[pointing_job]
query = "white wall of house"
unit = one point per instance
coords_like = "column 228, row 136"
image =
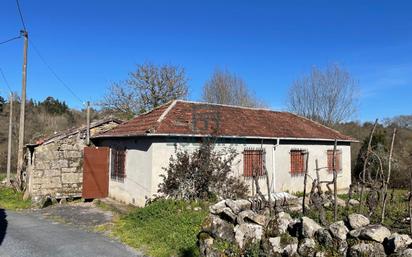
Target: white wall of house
column 147, row 158
column 136, row 186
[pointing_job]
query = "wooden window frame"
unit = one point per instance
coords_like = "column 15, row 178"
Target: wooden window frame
column 298, row 162
column 251, row 158
column 118, row 169
column 338, row 160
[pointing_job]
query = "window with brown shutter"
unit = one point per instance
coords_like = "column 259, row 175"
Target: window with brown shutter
column 297, row 162
column 118, row 165
column 338, row 161
column 253, row 162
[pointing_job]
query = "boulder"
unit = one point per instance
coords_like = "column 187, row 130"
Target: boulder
column 324, row 238
column 228, row 215
column 218, row 228
column 396, row 242
column 403, row 253
column 367, row 249
column 355, row 233
column 309, row 227
column 250, row 216
column 278, row 225
column 238, row 205
column 357, row 221
column 307, row 247
column 353, row 202
column 247, row 233
column 275, row 245
column 340, row 202
column 218, row 207
column 376, row 233
column 339, row 230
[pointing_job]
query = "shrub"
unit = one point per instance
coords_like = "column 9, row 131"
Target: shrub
column 202, row 174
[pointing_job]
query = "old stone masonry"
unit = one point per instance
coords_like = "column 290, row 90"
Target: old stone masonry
column 234, row 229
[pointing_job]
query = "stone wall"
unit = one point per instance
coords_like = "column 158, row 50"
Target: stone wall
column 234, row 229
column 55, row 168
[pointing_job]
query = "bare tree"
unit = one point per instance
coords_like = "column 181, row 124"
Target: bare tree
column 227, row 88
column 327, row 96
column 146, row 88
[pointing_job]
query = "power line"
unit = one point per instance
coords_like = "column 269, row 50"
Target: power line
column 53, row 72
column 11, row 39
column 21, row 15
column 5, row 80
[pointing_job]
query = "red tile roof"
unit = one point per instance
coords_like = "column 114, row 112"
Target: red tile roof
column 192, row 118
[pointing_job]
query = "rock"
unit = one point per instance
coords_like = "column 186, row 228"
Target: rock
column 367, row 249
column 396, row 242
column 205, row 243
column 238, row 205
column 355, row 233
column 403, row 253
column 247, row 233
column 251, row 216
column 309, row 227
column 376, row 233
column 324, row 238
column 276, row 248
column 339, row 230
column 197, row 208
column 353, row 202
column 227, row 214
column 296, row 208
column 307, row 247
column 320, row 254
column 63, row 201
column 340, row 202
column 218, row 207
column 357, row 221
column 218, row 228
column 278, row 225
column 291, row 249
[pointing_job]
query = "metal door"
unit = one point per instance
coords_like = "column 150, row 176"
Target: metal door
column 96, row 172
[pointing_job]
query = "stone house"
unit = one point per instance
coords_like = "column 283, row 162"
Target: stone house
column 287, row 144
column 55, row 164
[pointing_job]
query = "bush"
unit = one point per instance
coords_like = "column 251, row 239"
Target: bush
column 202, row 174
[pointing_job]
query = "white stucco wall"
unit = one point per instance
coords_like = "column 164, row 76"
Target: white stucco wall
column 146, row 158
column 136, row 187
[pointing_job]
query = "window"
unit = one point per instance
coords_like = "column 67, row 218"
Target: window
column 118, row 165
column 298, row 162
column 253, row 162
column 338, row 160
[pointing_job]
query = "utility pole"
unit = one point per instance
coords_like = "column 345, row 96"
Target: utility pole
column 88, row 124
column 20, row 155
column 9, row 140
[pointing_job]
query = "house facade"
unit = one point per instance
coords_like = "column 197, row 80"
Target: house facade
column 55, row 164
column 282, row 144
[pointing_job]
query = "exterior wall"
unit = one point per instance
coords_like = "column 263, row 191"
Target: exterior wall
column 136, row 187
column 146, row 158
column 56, row 168
column 284, row 181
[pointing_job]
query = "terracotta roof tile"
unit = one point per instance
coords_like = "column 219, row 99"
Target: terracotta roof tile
column 191, row 118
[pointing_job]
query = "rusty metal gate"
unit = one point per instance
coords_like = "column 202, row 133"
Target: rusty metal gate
column 96, row 172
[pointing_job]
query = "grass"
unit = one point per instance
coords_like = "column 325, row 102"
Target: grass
column 163, row 228
column 12, row 200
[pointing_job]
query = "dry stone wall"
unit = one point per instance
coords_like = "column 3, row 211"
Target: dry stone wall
column 56, row 168
column 234, row 229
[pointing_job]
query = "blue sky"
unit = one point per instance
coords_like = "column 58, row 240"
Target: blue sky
column 268, row 43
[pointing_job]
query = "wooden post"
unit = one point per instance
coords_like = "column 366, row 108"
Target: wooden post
column 20, row 155
column 88, row 124
column 304, row 182
column 335, row 182
column 9, row 139
column 388, row 178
